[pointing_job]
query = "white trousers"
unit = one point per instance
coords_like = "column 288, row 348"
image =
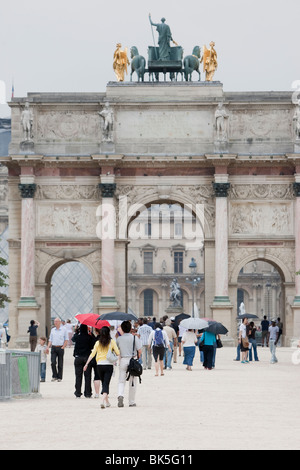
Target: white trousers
column 132, row 382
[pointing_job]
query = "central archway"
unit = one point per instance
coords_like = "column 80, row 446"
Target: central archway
column 160, row 248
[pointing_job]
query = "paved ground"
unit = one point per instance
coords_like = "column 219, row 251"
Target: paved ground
column 235, row 406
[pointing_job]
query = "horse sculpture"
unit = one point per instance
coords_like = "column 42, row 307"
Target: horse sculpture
column 175, row 294
column 191, row 63
column 138, row 64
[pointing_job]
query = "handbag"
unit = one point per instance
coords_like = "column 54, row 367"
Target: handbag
column 134, row 368
column 219, row 344
column 245, row 342
column 111, row 356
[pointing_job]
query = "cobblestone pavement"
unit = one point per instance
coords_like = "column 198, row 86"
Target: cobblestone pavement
column 234, row 406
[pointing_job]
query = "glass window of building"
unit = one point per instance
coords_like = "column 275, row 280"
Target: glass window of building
column 148, row 262
column 148, row 302
column 178, row 262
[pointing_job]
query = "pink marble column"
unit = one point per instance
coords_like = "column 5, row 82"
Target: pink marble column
column 221, row 243
column 27, row 244
column 108, row 235
column 297, row 241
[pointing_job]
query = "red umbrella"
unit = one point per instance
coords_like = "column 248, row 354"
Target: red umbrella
column 91, row 319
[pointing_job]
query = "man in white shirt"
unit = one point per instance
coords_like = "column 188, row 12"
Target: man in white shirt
column 273, row 335
column 57, row 342
column 143, row 333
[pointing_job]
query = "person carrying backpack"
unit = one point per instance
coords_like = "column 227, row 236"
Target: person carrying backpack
column 159, row 341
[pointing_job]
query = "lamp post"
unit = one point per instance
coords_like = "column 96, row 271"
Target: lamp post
column 194, row 281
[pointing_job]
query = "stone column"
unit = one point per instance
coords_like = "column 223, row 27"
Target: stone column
column 27, row 306
column 108, row 228
column 221, row 243
column 27, row 191
column 221, row 306
column 296, row 304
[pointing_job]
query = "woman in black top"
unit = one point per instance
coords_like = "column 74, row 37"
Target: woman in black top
column 32, row 330
column 252, row 341
column 83, row 345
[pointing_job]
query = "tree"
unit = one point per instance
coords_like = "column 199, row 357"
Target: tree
column 3, row 277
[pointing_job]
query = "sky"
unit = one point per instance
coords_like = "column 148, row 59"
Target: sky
column 68, row 45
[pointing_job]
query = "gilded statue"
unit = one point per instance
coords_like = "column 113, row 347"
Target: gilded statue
column 209, row 60
column 120, row 62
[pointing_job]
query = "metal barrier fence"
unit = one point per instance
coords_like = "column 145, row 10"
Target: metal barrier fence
column 19, row 373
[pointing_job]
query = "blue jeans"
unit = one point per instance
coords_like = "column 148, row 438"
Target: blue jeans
column 43, row 370
column 168, row 356
column 254, row 347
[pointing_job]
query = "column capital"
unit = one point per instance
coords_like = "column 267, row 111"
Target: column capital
column 296, row 187
column 221, row 189
column 107, row 189
column 27, row 190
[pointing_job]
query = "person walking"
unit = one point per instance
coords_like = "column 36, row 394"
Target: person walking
column 244, row 341
column 69, row 328
column 264, row 331
column 252, row 341
column 129, row 346
column 83, row 345
column 273, row 335
column 159, row 340
column 3, row 338
column 42, row 348
column 208, row 340
column 105, row 367
column 57, row 342
column 189, row 341
column 181, row 330
column 280, row 326
column 143, row 333
column 32, row 330
column 173, row 343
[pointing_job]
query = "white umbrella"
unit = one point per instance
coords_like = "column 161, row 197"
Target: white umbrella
column 194, row 323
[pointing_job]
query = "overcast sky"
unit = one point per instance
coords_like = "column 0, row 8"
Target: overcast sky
column 68, row 45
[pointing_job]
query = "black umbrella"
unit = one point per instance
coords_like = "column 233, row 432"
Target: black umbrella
column 122, row 316
column 216, row 328
column 246, row 315
column 181, row 316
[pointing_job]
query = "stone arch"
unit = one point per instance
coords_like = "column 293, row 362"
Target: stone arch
column 45, row 279
column 140, row 198
column 269, row 258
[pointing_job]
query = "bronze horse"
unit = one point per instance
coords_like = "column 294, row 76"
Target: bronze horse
column 138, row 64
column 191, row 63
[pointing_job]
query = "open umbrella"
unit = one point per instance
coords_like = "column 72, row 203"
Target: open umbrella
column 181, row 316
column 216, row 328
column 122, row 316
column 194, row 323
column 246, row 315
column 91, row 319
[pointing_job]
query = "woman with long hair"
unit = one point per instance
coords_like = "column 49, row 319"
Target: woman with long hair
column 105, row 367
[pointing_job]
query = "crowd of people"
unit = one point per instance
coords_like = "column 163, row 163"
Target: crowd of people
column 271, row 332
column 148, row 340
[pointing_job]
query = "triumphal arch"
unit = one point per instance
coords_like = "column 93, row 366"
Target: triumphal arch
column 82, row 165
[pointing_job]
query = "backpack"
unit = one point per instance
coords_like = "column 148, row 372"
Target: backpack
column 158, row 338
column 135, row 368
